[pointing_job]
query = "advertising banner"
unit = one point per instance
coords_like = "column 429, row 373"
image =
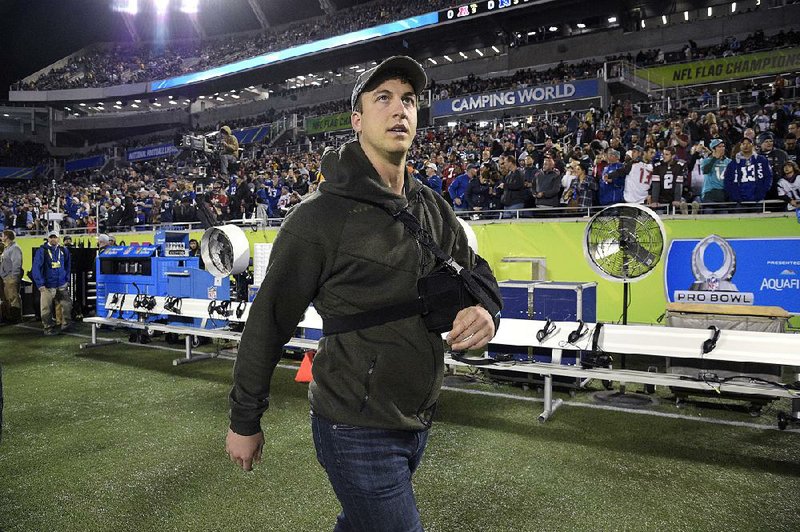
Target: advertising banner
column 327, row 123
column 151, row 152
column 489, row 101
column 724, row 68
column 11, row 173
column 734, row 271
column 85, row 164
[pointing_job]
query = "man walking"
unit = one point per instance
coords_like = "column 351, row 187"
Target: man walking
column 376, row 383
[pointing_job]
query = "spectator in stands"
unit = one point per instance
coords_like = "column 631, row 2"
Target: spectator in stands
column 205, row 211
column 512, row 186
column 50, row 271
column 10, row 277
column 776, row 157
column 748, row 176
column 610, row 189
column 791, row 147
column 583, row 187
column 459, row 187
column 548, row 183
column 713, row 166
column 789, row 186
column 481, row 190
column 666, row 185
column 432, row 178
column 388, row 421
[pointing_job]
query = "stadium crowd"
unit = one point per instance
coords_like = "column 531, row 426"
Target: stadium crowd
column 554, row 165
column 121, row 64
column 127, row 63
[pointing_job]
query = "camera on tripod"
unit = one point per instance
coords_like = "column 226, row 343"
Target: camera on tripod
column 198, row 143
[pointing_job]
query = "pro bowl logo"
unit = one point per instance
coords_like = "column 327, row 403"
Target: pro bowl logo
column 736, row 271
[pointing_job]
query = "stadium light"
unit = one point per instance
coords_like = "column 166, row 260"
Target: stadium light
column 161, row 6
column 643, row 24
column 710, row 10
column 156, row 104
column 190, row 7
column 686, row 16
column 478, row 52
column 580, row 25
column 733, row 7
column 82, row 104
column 553, row 28
column 138, row 101
column 202, row 97
column 173, row 102
column 67, row 109
column 664, row 19
column 432, row 60
column 117, row 107
column 6, row 115
column 462, row 54
column 448, row 58
column 134, row 106
column 131, row 7
column 495, row 49
column 531, row 33
column 612, row 20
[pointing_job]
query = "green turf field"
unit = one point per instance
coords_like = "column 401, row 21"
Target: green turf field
column 117, row 438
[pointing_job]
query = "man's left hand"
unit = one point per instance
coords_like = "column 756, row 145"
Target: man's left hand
column 472, row 329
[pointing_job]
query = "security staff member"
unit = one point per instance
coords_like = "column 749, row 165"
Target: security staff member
column 51, row 266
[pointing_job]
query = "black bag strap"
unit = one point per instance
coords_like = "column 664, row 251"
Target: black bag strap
column 425, row 239
column 371, row 318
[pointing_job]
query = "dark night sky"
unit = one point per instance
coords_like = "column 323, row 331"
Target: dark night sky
column 35, row 33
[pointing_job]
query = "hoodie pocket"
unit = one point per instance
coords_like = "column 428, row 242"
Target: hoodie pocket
column 367, row 383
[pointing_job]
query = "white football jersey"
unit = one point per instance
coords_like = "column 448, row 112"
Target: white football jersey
column 637, row 182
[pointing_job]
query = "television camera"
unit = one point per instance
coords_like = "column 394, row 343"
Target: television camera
column 197, row 154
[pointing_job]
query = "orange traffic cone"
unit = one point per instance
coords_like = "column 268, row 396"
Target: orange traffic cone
column 304, row 373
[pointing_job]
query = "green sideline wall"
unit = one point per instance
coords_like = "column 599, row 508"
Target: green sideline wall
column 560, row 243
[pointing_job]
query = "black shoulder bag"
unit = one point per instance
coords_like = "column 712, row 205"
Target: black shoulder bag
column 442, row 293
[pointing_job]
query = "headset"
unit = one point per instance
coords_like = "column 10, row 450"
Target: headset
column 173, row 304
column 711, row 343
column 240, row 308
column 219, row 307
column 546, row 331
column 578, row 333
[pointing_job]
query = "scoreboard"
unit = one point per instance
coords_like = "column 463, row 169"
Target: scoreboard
column 478, row 8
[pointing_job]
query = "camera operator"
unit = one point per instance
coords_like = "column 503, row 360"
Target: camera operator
column 229, row 147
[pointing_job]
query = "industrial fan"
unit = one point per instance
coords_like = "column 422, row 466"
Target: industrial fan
column 624, row 243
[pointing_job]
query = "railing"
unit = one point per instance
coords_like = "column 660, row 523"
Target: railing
column 774, row 207
column 699, row 209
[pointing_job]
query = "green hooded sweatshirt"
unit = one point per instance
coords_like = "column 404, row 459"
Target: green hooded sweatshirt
column 342, row 251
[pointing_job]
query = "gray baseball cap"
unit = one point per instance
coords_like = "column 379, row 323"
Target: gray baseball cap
column 400, row 64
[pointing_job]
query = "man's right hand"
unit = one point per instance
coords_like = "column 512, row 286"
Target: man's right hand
column 244, row 450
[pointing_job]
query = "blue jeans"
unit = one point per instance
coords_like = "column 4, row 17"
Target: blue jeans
column 370, row 471
column 509, row 210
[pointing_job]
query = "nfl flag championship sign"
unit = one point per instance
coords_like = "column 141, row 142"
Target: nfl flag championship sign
column 736, row 271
